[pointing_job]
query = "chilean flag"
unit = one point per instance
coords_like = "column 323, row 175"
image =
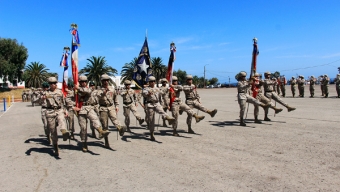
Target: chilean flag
column 74, row 60
column 172, row 59
column 64, row 63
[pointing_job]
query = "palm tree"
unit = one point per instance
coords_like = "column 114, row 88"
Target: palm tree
column 158, row 68
column 127, row 70
column 96, row 67
column 35, row 74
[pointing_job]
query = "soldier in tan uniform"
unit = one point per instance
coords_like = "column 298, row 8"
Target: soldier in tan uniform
column 193, row 99
column 178, row 105
column 275, row 86
column 243, row 97
column 292, row 86
column 260, row 96
column 130, row 104
column 43, row 104
column 70, row 104
column 312, row 82
column 95, row 105
column 108, row 107
column 325, row 83
column 283, row 83
column 87, row 112
column 268, row 85
column 152, row 97
column 165, row 101
column 337, row 84
column 55, row 112
column 301, row 85
column 321, row 85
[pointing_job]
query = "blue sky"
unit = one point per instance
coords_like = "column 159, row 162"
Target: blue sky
column 292, row 35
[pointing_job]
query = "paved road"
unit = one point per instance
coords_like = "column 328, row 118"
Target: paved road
column 296, row 151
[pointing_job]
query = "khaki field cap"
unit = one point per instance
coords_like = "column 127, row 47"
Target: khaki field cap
column 267, row 73
column 152, row 78
column 243, row 74
column 104, row 77
column 52, row 80
column 164, row 80
column 293, row 77
column 256, row 75
column 127, row 82
column 312, row 76
column 174, row 78
column 82, row 78
column 189, row 77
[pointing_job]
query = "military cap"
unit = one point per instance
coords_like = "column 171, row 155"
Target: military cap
column 70, row 84
column 267, row 73
column 92, row 83
column 242, row 74
column 52, row 80
column 174, row 78
column 127, row 82
column 189, row 77
column 338, row 74
column 293, row 77
column 302, row 76
column 164, row 80
column 45, row 85
column 82, row 78
column 312, row 76
column 325, row 75
column 104, row 77
column 152, row 78
column 256, row 74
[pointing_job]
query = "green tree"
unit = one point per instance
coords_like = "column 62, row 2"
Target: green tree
column 96, row 67
column 181, row 75
column 158, row 68
column 213, row 81
column 13, row 58
column 196, row 80
column 128, row 70
column 35, row 74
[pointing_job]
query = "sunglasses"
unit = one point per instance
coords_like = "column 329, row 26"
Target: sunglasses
column 52, row 83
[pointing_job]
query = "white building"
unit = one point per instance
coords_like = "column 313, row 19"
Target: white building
column 15, row 84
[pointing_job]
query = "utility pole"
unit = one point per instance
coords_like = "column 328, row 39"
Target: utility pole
column 204, row 75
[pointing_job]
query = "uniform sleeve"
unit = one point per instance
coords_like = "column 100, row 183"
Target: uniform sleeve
column 116, row 99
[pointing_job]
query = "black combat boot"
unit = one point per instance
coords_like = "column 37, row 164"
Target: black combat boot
column 190, row 130
column 107, row 144
column 56, row 150
column 242, row 122
column 175, row 133
column 257, row 120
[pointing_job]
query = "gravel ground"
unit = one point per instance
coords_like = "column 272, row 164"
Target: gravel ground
column 296, row 151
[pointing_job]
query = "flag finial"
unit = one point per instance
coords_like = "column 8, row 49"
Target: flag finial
column 66, row 48
column 255, row 40
column 73, row 25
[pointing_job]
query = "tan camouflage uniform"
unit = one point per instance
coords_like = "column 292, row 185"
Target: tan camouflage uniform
column 293, row 86
column 165, row 100
column 301, row 86
column 70, row 104
column 337, row 84
column 130, row 101
column 312, row 82
column 325, row 83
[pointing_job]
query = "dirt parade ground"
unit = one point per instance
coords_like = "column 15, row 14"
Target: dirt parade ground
column 296, row 151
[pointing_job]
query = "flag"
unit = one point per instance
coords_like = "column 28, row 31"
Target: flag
column 74, row 58
column 172, row 59
column 256, row 52
column 143, row 68
column 64, row 63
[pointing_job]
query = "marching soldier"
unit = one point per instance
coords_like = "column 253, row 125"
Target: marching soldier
column 34, row 96
column 152, row 97
column 321, row 85
column 268, row 89
column 87, row 112
column 243, row 97
column 55, row 113
column 70, row 104
column 278, row 82
column 108, row 107
column 178, row 105
column 283, row 83
column 337, row 84
column 130, row 104
column 263, row 99
column 301, row 85
column 95, row 105
column 165, row 102
column 193, row 99
column 325, row 83
column 292, row 85
column 312, row 82
column 275, row 87
column 43, row 104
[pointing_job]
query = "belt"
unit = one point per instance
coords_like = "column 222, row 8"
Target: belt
column 127, row 103
column 106, row 105
column 151, row 102
column 268, row 91
column 43, row 107
column 53, row 108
